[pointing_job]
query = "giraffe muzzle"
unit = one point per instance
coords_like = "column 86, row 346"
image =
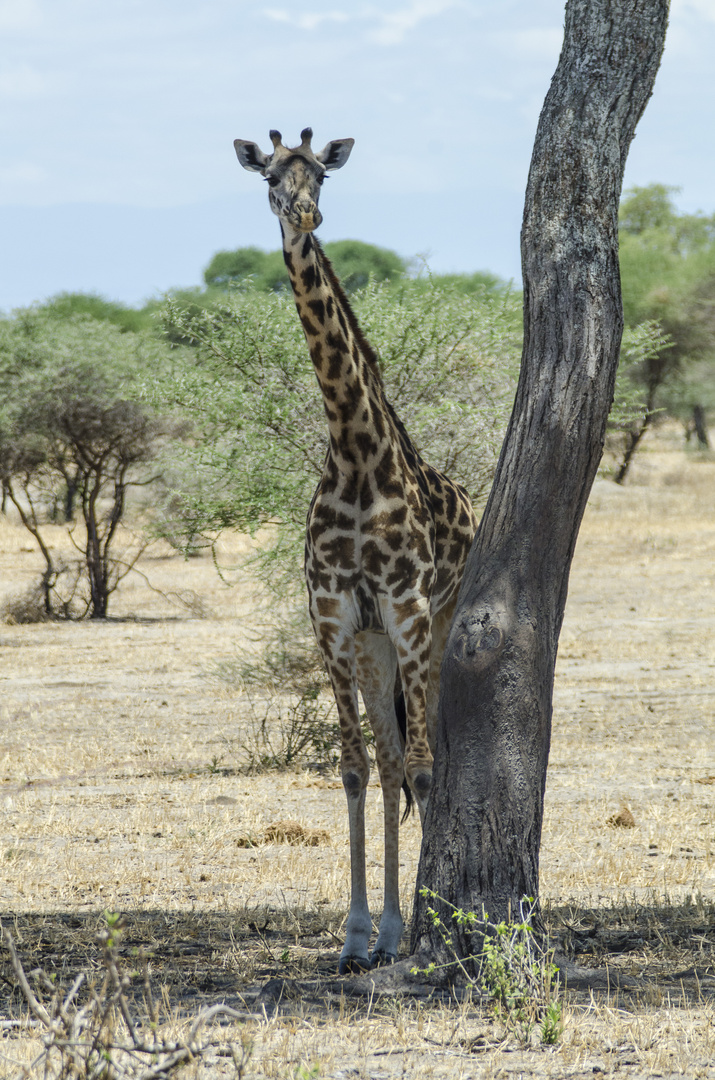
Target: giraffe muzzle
column 306, row 218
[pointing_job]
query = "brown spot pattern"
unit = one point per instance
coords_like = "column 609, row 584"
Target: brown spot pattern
column 387, row 534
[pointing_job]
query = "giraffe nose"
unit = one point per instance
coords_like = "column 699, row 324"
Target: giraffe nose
column 307, row 216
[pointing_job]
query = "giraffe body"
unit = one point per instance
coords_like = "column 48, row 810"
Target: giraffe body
column 386, row 542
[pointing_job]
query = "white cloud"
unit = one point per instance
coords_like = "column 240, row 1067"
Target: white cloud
column 22, row 83
column 19, row 15
column 381, row 27
column 307, row 21
column 393, row 26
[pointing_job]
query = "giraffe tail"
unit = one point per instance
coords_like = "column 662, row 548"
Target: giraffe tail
column 401, row 712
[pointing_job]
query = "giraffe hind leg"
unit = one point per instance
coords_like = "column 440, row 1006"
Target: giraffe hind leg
column 408, row 625
column 441, row 625
column 401, row 714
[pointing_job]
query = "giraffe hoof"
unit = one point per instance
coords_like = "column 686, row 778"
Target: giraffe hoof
column 380, row 958
column 353, row 965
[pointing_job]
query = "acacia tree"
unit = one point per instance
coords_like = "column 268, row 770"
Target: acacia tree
column 668, row 273
column 449, row 362
column 72, row 427
column 483, row 826
column 106, row 442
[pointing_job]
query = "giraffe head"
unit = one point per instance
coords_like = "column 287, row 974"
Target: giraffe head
column 294, row 175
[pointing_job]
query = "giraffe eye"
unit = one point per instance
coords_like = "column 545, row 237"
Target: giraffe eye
column 272, row 181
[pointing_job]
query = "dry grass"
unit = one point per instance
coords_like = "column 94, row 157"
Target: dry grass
column 122, row 789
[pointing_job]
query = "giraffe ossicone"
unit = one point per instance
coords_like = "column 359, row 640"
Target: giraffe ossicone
column 386, row 543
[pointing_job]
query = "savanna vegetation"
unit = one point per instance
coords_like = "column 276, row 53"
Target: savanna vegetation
column 192, row 418
column 75, row 440
column 134, row 780
column 668, row 275
column 208, row 399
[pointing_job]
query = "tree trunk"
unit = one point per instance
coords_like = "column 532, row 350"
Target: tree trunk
column 483, row 826
column 700, row 427
column 634, row 437
column 96, row 569
column 71, row 489
column 29, row 520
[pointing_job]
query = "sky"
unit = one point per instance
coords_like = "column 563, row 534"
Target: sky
column 117, row 120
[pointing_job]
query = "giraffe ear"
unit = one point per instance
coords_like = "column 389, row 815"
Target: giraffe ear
column 250, row 155
column 336, row 153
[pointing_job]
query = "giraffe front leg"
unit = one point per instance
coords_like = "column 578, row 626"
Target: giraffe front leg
column 338, row 647
column 391, row 923
column 377, row 666
column 354, row 956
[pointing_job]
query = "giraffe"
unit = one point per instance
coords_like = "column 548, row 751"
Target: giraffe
column 386, row 542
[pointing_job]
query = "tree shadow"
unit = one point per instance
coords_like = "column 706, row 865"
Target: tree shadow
column 278, row 960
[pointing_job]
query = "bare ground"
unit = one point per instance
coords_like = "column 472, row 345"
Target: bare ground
column 122, row 788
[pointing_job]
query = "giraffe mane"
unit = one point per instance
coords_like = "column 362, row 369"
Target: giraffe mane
column 363, row 344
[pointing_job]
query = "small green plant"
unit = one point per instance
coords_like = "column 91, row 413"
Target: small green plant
column 113, row 932
column 305, row 1073
column 512, row 967
column 552, row 1024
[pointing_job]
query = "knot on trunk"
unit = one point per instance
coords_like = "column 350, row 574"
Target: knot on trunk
column 479, row 644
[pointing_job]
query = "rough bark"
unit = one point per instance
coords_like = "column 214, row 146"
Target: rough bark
column 483, row 827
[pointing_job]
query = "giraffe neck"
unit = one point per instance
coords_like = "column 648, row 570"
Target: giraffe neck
column 359, row 418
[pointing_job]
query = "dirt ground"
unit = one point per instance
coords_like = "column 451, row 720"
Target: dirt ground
column 122, row 788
